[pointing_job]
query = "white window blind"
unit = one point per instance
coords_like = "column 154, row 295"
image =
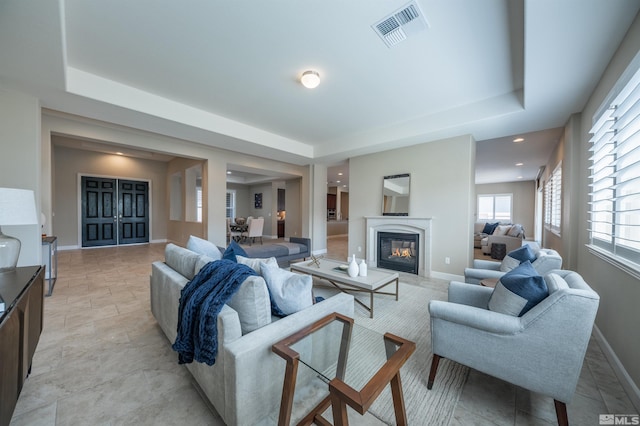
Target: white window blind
column 614, row 209
column 553, row 200
column 231, row 204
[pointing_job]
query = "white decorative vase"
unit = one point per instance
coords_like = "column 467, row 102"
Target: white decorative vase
column 353, row 269
column 362, row 268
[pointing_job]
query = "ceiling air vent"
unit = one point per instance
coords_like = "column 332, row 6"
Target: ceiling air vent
column 402, row 23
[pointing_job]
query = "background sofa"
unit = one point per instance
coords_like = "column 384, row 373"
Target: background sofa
column 511, row 235
column 245, row 383
column 283, row 251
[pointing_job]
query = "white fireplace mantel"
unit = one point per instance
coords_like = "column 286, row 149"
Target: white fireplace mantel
column 404, row 225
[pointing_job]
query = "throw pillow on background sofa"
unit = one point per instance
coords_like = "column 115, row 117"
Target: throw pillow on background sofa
column 514, row 258
column 501, row 230
column 516, row 231
column 489, row 228
column 518, row 291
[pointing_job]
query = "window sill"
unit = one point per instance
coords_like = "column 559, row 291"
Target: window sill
column 624, row 265
column 554, row 231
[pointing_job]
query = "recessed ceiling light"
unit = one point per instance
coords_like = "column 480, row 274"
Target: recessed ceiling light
column 519, row 164
column 517, row 140
column 228, row 172
column 337, row 181
column 310, row 79
column 344, row 186
column 340, row 174
column 119, row 153
column 519, row 177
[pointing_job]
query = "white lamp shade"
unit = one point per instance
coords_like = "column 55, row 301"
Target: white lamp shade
column 17, row 207
column 310, row 79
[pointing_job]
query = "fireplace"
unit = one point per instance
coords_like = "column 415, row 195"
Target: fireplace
column 398, row 251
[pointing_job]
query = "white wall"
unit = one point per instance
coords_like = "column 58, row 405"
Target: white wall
column 20, row 164
column 618, row 315
column 293, row 204
column 442, row 188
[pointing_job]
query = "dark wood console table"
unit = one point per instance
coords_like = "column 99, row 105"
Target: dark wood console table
column 22, row 291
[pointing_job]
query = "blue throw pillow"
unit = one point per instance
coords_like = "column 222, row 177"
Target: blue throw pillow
column 523, row 254
column 516, row 257
column 518, row 290
column 232, row 250
column 489, row 228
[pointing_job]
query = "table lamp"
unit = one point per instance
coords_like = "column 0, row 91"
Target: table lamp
column 17, row 207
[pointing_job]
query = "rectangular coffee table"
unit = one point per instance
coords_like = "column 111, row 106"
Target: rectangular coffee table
column 375, row 280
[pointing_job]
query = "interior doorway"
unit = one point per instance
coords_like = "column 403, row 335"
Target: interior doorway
column 114, row 211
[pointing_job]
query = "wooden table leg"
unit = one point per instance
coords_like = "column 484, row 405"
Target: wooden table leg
column 339, row 409
column 398, row 400
column 343, row 355
column 288, row 390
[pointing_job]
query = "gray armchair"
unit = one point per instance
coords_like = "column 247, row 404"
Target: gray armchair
column 541, row 351
column 546, row 260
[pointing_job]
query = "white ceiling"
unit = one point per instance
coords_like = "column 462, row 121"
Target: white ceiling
column 226, row 74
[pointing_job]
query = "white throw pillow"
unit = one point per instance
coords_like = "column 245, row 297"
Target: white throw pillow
column 290, row 292
column 252, row 304
column 200, row 246
column 501, row 230
column 254, row 263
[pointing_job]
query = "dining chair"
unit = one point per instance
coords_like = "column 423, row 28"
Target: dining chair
column 232, row 235
column 255, row 230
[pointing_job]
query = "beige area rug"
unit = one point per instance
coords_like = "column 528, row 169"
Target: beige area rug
column 409, row 318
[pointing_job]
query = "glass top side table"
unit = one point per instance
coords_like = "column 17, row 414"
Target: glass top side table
column 357, row 363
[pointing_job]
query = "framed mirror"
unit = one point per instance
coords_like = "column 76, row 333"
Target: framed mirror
column 395, row 195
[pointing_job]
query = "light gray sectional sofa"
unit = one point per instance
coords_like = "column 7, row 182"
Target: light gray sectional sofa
column 245, row 383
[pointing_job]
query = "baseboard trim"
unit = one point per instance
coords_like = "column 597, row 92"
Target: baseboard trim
column 446, row 276
column 77, row 247
column 625, row 380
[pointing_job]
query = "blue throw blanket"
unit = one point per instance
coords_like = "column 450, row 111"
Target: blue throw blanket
column 201, row 300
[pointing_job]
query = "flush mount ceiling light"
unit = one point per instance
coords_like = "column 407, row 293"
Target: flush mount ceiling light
column 310, row 79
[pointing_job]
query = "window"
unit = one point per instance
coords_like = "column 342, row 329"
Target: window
column 495, row 207
column 553, row 200
column 231, row 204
column 614, row 207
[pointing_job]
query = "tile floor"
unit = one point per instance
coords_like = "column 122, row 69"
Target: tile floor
column 103, row 360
